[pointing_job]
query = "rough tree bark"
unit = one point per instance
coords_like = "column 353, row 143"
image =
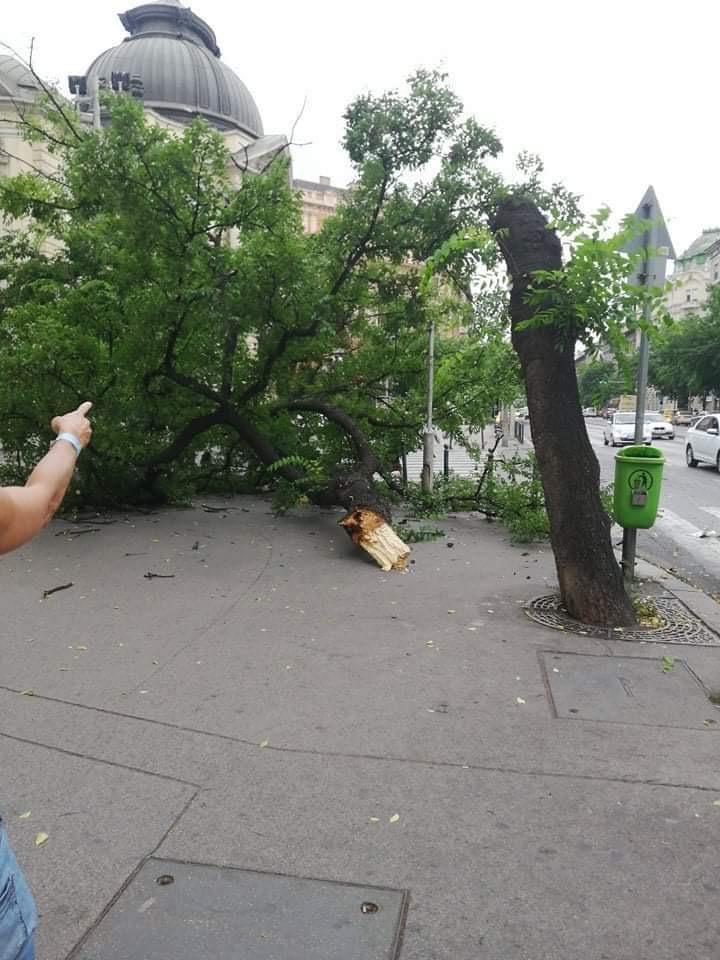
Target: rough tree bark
column 591, row 583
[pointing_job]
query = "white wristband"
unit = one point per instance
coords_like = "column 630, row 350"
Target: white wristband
column 71, row 438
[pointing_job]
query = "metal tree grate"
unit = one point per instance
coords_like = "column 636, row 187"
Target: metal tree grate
column 679, row 625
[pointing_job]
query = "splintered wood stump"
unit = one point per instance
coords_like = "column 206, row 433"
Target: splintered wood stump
column 375, row 535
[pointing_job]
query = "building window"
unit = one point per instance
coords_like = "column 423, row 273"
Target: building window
column 687, row 297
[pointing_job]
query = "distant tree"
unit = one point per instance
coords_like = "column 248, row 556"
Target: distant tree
column 685, row 361
column 598, row 382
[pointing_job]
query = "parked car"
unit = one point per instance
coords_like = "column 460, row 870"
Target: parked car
column 621, row 430
column 702, row 443
column 660, row 428
column 682, row 418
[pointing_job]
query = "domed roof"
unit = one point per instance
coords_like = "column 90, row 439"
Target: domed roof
column 16, row 82
column 176, row 56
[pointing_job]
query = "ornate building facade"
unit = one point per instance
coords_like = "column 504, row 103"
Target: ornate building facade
column 696, row 270
column 18, row 90
column 171, row 60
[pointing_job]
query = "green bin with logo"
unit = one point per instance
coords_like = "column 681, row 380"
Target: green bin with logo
column 638, row 478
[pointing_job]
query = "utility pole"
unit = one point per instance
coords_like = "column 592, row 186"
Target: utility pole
column 429, row 438
column 657, row 247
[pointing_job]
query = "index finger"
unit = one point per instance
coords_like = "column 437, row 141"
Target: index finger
column 84, row 408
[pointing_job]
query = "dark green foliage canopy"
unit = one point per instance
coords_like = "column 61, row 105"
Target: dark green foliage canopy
column 215, row 337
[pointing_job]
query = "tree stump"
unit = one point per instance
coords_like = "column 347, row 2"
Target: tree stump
column 375, row 535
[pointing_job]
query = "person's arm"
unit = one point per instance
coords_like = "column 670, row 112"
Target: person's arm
column 24, row 511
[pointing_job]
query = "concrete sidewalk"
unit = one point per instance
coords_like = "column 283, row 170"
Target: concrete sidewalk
column 274, row 702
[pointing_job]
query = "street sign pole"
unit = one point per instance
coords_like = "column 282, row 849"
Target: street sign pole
column 652, row 273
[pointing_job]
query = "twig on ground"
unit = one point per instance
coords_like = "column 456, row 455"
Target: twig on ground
column 76, row 533
column 52, row 590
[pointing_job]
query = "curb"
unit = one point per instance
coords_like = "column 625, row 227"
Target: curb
column 698, row 602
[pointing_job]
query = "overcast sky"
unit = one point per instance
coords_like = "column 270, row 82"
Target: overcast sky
column 613, row 95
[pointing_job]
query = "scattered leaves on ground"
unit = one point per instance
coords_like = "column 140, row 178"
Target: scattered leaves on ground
column 41, row 838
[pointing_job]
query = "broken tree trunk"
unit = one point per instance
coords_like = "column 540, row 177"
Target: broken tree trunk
column 368, row 521
column 591, row 583
column 371, row 532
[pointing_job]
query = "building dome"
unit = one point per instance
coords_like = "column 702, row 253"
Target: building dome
column 176, row 56
column 16, row 82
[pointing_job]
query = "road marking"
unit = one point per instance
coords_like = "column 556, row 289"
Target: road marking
column 687, row 535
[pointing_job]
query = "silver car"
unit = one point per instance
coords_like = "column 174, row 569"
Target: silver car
column 702, row 443
column 621, row 430
column 660, row 428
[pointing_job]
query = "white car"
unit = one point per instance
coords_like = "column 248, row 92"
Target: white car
column 660, row 428
column 621, row 430
column 702, row 443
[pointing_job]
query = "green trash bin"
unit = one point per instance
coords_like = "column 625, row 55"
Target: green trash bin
column 638, row 478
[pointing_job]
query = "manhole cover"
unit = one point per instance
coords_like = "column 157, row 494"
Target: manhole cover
column 679, row 626
column 627, row 690
column 187, row 911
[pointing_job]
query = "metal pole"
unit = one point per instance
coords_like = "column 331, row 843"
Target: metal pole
column 429, row 440
column 97, row 125
column 629, row 547
column 446, row 461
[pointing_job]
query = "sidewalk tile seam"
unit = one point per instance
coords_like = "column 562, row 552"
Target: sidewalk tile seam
column 546, row 681
column 374, row 758
column 131, row 876
column 92, row 759
column 208, row 628
column 175, row 822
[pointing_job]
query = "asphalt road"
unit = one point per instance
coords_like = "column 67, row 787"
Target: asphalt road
column 689, row 506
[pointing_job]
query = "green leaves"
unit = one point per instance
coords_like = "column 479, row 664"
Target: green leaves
column 684, row 361
column 591, row 298
column 185, row 299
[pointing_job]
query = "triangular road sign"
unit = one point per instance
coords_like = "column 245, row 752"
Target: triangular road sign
column 656, row 238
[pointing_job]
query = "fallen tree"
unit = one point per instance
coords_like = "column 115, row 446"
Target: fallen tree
column 223, row 346
column 276, row 358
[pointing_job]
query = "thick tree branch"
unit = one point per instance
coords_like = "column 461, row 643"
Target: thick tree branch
column 184, row 438
column 365, row 452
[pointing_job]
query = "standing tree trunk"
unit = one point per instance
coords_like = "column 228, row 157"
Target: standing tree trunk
column 591, row 583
